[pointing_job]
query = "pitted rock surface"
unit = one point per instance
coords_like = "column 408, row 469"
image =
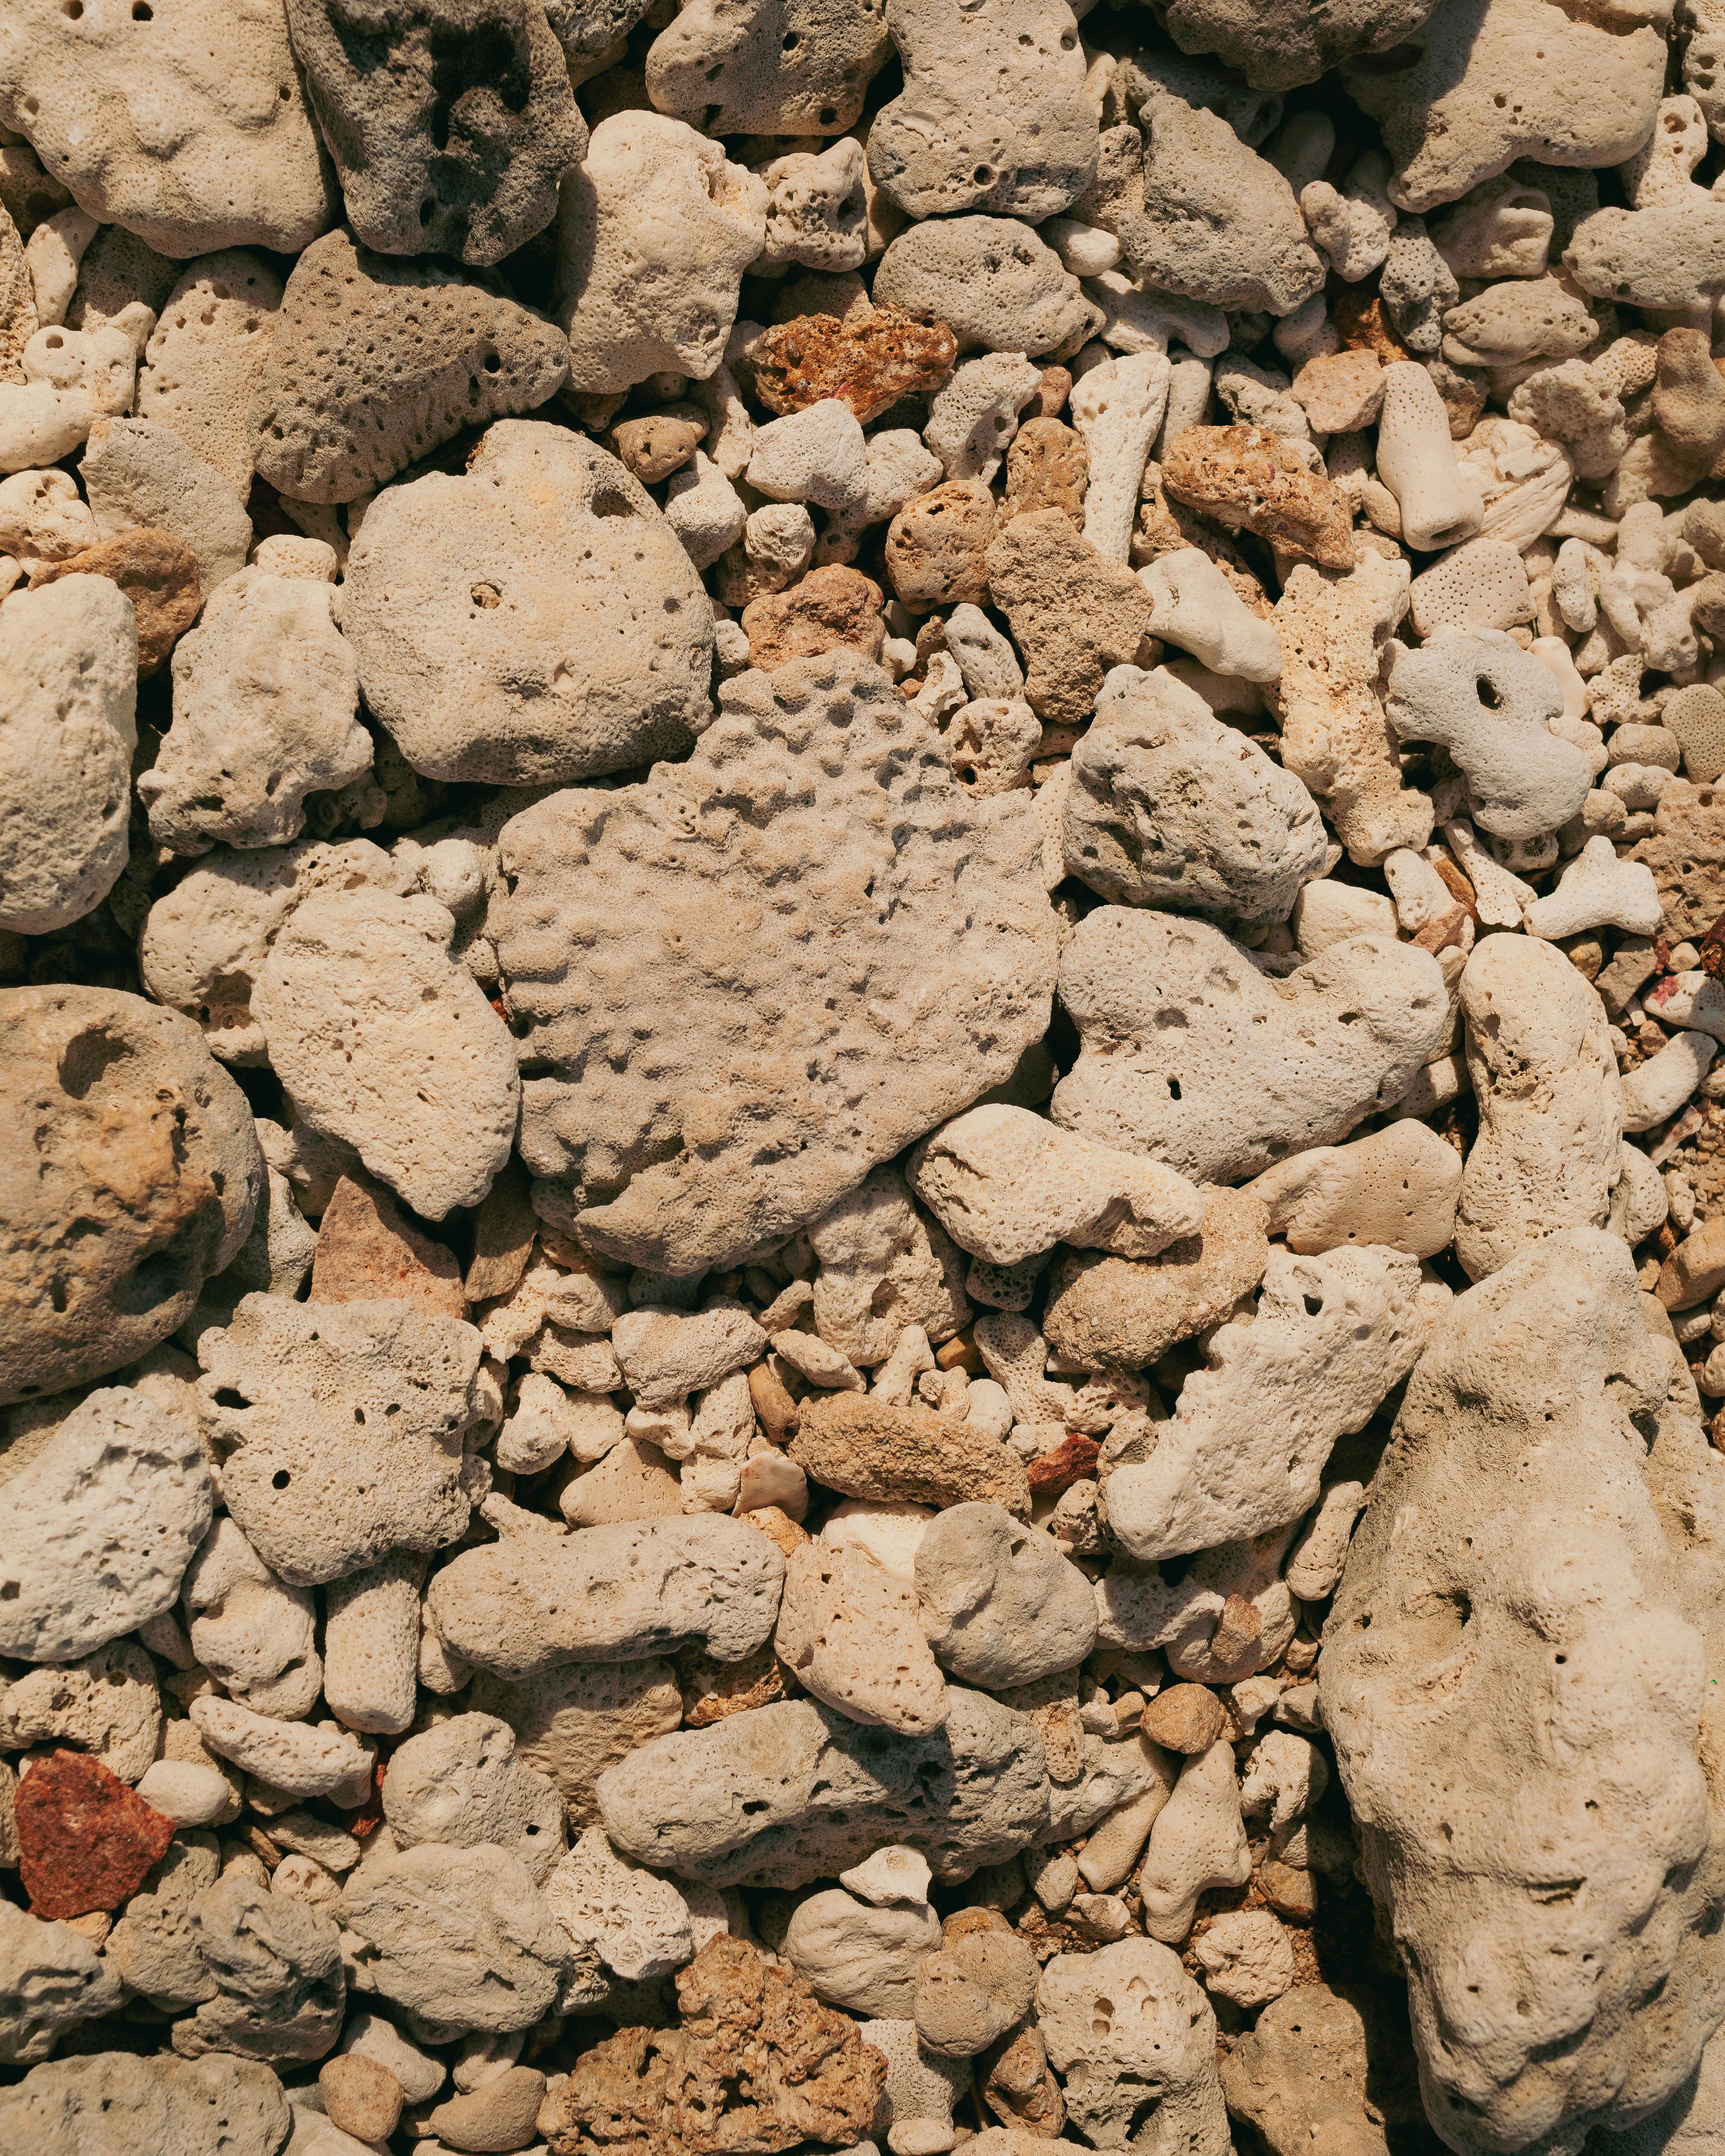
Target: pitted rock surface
column 531, row 621
column 749, row 1161
column 376, row 362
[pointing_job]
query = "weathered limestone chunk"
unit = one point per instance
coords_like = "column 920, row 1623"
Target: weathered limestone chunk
column 253, row 1633
column 386, row 1043
column 375, row 362
column 1251, row 1432
column 878, row 1449
column 776, row 67
column 1399, row 1186
column 704, row 964
column 533, row 620
column 849, row 1631
column 1328, row 2069
column 994, row 115
column 277, row 1963
column 576, row 1719
column 990, row 279
column 460, row 1935
column 346, row 1422
column 883, row 1265
column 654, row 230
column 1169, row 806
column 788, row 1793
column 1007, row 1184
column 265, row 711
column 449, row 125
column 1000, row 1605
column 754, row 2064
column 1278, row 44
column 50, row 1976
column 99, row 1526
column 1550, row 1148
column 105, row 1704
column 636, row 1924
column 1073, row 613
column 1249, row 1069
column 68, row 685
column 238, row 164
column 141, row 476
column 1517, row 1687
column 1126, row 2027
column 1487, row 81
column 128, row 1175
column 529, row 1602
column 116, row 2103
column 461, row 1783
column 1107, row 1312
column 202, row 363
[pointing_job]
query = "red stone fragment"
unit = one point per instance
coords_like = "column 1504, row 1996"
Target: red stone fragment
column 85, row 1841
column 1068, row 1463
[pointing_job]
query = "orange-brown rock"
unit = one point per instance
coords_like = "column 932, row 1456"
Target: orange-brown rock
column 1244, row 476
column 1074, row 613
column 1186, row 1717
column 661, row 443
column 1071, row 1461
column 1363, row 325
column 712, row 1690
column 503, row 1232
column 937, row 547
column 368, row 1250
column 84, row 1840
column 863, row 1447
column 157, row 573
column 868, row 365
column 757, row 2064
column 829, row 607
column 1047, row 467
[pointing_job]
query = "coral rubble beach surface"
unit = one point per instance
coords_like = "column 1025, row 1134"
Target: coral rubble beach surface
column 862, row 1176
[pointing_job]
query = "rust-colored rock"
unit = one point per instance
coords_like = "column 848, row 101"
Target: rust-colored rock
column 868, row 365
column 1362, row 323
column 157, row 573
column 1686, row 851
column 1053, row 1472
column 712, row 1690
column 937, row 547
column 757, row 2065
column 829, row 607
column 864, row 1447
column 1047, row 467
column 1186, row 1717
column 1244, row 476
column 84, row 1840
column 1073, row 613
column 368, row 1251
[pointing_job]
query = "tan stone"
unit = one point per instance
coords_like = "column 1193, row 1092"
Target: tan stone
column 367, row 1249
column 663, row 442
column 757, row 2065
column 1243, row 476
column 1047, row 467
column 937, row 547
column 868, row 1448
column 1186, row 1717
column 155, row 572
column 360, row 2097
column 829, row 607
column 1073, row 614
column 1123, row 1313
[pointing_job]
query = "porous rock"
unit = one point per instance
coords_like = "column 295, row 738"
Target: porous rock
column 1124, row 2027
column 995, row 284
column 637, row 1924
column 880, row 1449
column 994, row 115
column 50, row 1977
column 654, row 230
column 617, row 1593
column 755, row 2064
column 386, row 1043
column 344, row 1423
column 848, row 1630
column 868, row 365
column 130, row 1177
column 139, row 476
column 1575, row 1587
column 1324, row 2066
column 68, row 730
column 449, row 126
column 266, row 710
column 780, row 67
column 716, row 911
column 1000, row 1603
column 861, row 1958
column 85, row 1841
column 280, row 1982
column 1257, row 1069
column 1252, row 1431
column 240, row 166
column 1399, row 1186
column 1107, row 1312
column 376, row 362
column 788, row 1793
column 533, row 619
column 883, row 1265
column 202, row 363
column 1170, row 808
column 459, row 1936
column 156, row 572
column 461, row 1783
column 1278, row 44
column 114, row 2103
column 1487, row 81
column 1007, row 1184
column 1073, row 613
